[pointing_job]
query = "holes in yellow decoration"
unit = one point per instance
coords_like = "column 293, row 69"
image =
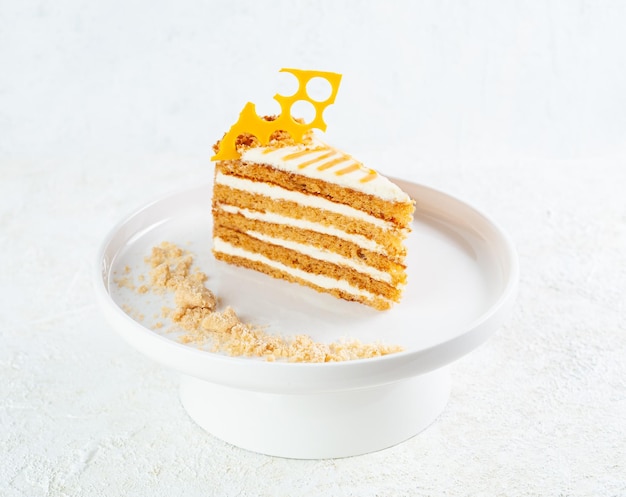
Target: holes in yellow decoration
column 319, row 89
column 250, row 123
column 303, row 110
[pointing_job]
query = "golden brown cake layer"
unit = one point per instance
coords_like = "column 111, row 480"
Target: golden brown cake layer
column 391, row 241
column 306, row 263
column 320, row 240
column 376, row 302
column 398, row 213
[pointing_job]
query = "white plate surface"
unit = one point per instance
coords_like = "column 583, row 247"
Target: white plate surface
column 462, row 272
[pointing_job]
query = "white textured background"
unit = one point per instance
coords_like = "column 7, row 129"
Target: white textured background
column 516, row 107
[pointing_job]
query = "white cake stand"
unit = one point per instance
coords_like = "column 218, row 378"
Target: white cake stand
column 463, row 274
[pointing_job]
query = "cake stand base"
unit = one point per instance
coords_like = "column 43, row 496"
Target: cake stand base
column 318, row 425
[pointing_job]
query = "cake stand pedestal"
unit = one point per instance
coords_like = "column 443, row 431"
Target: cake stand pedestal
column 318, row 425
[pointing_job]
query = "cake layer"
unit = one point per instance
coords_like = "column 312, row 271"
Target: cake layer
column 324, row 255
column 313, row 234
column 389, row 239
column 231, row 254
column 303, row 262
column 308, row 200
column 302, row 224
column 397, row 211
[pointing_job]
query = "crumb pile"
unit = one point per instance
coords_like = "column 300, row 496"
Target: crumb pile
column 195, row 312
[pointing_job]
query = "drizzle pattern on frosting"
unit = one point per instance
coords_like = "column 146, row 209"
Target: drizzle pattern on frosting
column 327, row 159
column 327, row 163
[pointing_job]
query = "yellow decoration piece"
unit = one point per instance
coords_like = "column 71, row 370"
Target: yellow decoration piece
column 250, row 123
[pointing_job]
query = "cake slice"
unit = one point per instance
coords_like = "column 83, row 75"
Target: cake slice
column 306, row 212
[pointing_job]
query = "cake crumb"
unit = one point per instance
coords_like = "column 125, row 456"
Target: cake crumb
column 195, row 314
column 125, row 282
column 132, row 312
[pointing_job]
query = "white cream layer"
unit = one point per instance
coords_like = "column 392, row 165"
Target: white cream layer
column 271, row 217
column 316, row 279
column 378, row 185
column 323, row 255
column 279, row 193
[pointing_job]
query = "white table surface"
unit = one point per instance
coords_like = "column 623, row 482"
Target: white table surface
column 517, row 109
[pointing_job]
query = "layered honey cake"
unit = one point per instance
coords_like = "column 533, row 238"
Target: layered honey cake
column 290, row 206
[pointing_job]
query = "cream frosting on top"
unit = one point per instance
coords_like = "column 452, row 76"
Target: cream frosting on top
column 320, row 161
